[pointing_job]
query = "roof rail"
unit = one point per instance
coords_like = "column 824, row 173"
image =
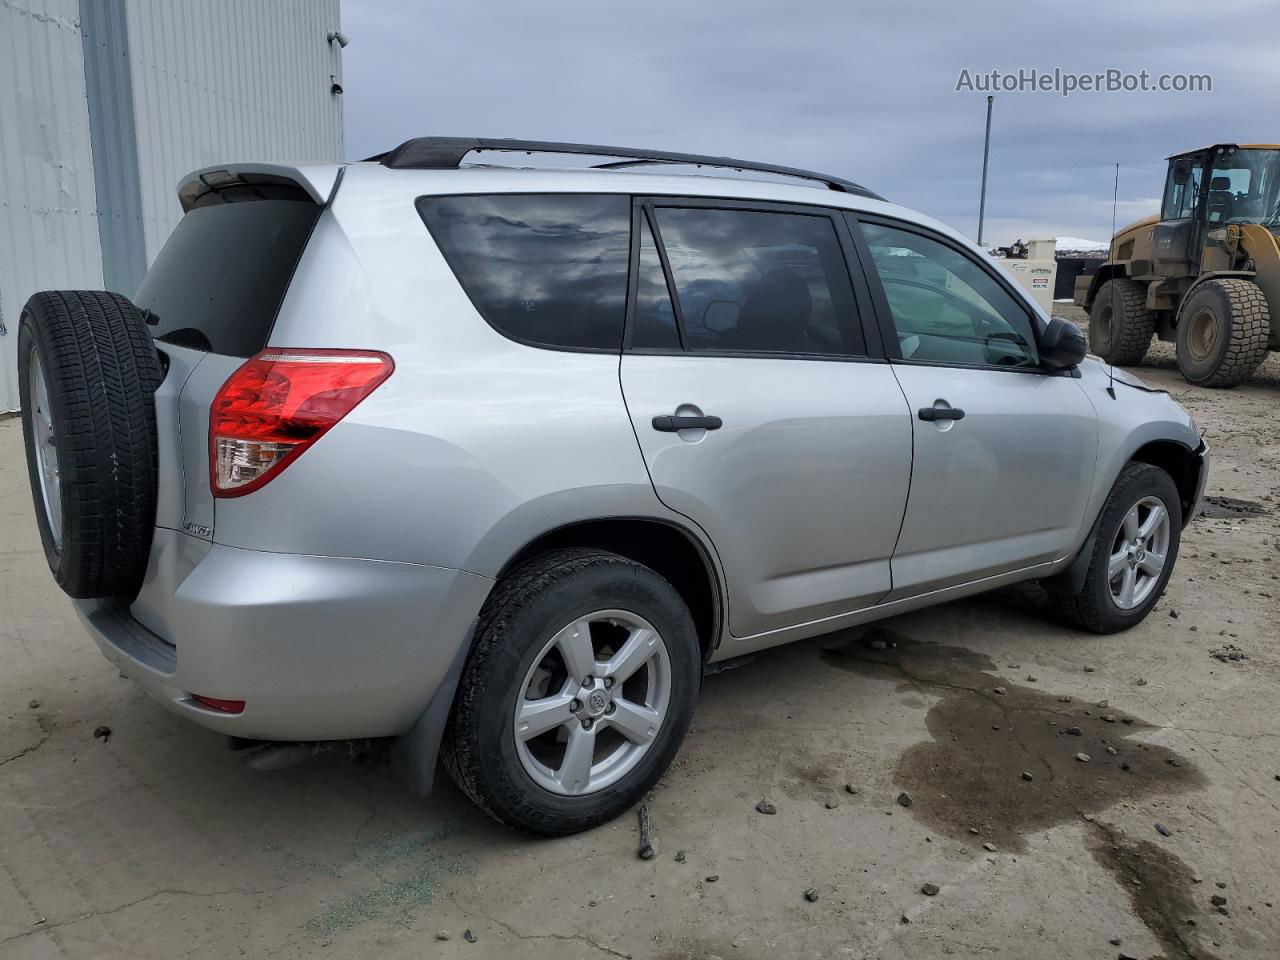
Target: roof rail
column 447, row 153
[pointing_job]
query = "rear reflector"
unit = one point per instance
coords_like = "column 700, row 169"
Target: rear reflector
column 222, row 706
column 277, row 404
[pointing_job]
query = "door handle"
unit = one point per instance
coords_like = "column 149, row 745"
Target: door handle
column 670, row 424
column 940, row 413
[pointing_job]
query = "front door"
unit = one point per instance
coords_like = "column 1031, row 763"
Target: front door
column 1177, row 240
column 1003, row 451
column 759, row 414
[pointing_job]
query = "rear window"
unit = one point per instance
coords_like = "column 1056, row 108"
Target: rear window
column 223, row 273
column 546, row 269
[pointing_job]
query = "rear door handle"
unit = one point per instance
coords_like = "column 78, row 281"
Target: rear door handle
column 940, row 413
column 670, row 424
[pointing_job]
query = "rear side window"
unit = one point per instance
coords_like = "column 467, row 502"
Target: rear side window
column 754, row 282
column 546, row 269
column 220, row 278
column 654, row 322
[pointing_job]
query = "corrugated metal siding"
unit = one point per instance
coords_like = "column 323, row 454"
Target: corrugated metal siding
column 48, row 224
column 222, row 80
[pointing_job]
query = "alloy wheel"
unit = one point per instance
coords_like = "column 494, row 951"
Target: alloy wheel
column 1138, row 553
column 592, row 703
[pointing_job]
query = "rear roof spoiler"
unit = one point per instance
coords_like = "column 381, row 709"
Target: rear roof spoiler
column 229, row 183
column 447, row 153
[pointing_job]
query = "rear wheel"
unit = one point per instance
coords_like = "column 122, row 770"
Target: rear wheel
column 1223, row 330
column 1120, row 325
column 1134, row 553
column 577, row 693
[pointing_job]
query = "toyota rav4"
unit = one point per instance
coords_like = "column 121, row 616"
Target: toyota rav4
column 493, row 461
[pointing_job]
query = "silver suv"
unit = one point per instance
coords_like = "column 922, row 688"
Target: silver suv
column 492, row 461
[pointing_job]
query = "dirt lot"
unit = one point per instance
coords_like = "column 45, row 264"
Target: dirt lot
column 157, row 842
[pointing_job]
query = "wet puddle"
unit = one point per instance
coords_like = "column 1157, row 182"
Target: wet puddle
column 1229, row 508
column 1159, row 886
column 1002, row 761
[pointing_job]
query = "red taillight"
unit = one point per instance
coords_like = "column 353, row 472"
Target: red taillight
column 222, row 706
column 279, row 403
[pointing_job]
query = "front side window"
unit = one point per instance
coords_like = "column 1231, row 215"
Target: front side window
column 546, row 269
column 755, row 282
column 945, row 308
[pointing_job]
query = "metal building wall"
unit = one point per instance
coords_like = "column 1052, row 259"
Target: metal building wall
column 220, row 80
column 88, row 170
column 48, row 219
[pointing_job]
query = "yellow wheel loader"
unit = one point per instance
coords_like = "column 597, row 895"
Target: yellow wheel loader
column 1204, row 273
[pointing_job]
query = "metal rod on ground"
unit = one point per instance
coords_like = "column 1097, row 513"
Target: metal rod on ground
column 986, row 152
column 646, row 845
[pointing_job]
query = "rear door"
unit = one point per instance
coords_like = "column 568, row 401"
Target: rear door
column 760, row 411
column 212, row 296
column 1004, row 451
column 211, row 299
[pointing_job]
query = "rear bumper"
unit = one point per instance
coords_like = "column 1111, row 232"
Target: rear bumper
column 319, row 648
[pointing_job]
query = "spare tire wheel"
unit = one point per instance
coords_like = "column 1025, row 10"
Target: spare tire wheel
column 87, row 374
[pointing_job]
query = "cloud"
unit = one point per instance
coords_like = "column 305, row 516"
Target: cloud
column 865, row 91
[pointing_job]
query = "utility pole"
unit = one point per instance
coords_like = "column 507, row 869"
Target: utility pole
column 986, row 151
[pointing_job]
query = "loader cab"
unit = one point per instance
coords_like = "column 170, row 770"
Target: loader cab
column 1210, row 188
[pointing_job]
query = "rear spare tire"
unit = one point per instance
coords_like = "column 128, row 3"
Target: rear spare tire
column 1120, row 325
column 1223, row 329
column 87, row 375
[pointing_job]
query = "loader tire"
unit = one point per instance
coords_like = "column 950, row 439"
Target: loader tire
column 87, row 374
column 1222, row 334
column 1120, row 325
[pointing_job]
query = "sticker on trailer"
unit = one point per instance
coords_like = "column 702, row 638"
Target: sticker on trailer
column 1038, row 282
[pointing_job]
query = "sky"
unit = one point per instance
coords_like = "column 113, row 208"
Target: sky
column 865, row 91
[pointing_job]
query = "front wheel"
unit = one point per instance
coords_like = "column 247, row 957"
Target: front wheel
column 1133, row 555
column 1223, row 332
column 577, row 693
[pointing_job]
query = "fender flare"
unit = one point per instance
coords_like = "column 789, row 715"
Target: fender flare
column 1108, row 271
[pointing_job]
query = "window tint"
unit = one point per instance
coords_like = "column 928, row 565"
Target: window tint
column 654, row 322
column 945, row 307
column 546, row 269
column 760, row 282
column 219, row 280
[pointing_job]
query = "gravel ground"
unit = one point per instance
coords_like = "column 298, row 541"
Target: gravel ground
column 925, row 775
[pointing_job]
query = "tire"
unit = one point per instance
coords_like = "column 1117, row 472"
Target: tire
column 1120, row 325
column 1222, row 334
column 538, row 601
column 92, row 431
column 1096, row 607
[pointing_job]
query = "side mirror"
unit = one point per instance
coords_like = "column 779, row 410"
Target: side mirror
column 1061, row 345
column 1181, row 170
